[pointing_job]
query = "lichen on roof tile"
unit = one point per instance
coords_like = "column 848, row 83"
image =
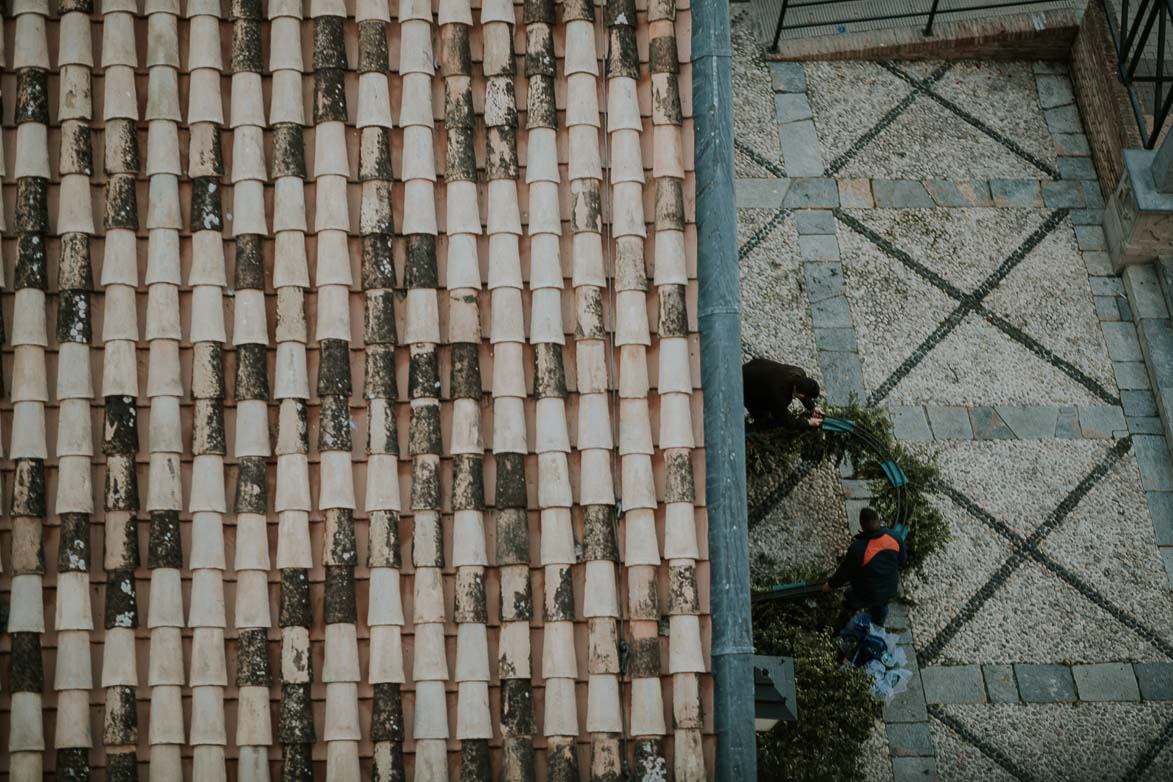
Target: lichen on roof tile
column 427, row 337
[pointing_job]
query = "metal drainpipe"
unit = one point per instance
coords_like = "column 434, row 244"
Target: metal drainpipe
column 724, row 421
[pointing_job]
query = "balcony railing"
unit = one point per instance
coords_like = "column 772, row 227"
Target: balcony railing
column 1141, row 32
column 855, row 13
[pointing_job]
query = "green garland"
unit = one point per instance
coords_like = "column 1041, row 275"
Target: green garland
column 836, row 712
column 778, row 452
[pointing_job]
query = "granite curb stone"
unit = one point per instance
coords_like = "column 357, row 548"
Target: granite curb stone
column 1152, row 457
column 1161, row 509
column 1063, row 194
column 1097, row 262
column 1122, row 342
column 1077, row 168
column 908, row 706
column 1142, row 425
column 1132, row 376
column 856, row 193
column 952, row 194
column 1090, row 237
column 835, row 339
column 818, row 247
column 1086, row 216
column 1067, row 425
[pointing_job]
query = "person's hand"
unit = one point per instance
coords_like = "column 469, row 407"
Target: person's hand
column 814, row 421
column 827, row 587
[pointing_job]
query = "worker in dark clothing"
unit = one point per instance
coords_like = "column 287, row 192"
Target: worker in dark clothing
column 871, row 568
column 770, row 387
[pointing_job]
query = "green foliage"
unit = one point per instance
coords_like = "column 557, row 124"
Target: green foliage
column 836, row 712
column 778, row 453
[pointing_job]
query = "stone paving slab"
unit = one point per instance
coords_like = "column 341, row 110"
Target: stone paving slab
column 1106, row 682
column 1155, row 681
column 910, row 423
column 1045, row 683
column 908, row 706
column 760, row 193
column 1053, row 742
column 910, row 769
column 950, row 423
column 953, row 684
column 1000, row 684
column 1029, row 422
column 910, row 739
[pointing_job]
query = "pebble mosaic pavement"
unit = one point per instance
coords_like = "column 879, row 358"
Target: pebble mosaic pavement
column 925, row 236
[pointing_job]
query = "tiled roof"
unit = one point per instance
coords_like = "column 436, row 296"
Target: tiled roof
column 353, row 417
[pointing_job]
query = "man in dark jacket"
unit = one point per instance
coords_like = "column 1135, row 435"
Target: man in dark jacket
column 871, row 567
column 770, row 387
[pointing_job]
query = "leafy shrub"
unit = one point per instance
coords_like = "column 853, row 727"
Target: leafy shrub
column 836, row 712
column 778, row 452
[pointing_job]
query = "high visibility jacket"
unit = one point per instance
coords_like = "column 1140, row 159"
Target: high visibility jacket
column 872, row 567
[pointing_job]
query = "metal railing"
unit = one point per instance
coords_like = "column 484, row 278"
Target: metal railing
column 930, row 14
column 1142, row 52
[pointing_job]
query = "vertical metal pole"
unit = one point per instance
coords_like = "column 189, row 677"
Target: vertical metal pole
column 778, row 27
column 724, row 413
column 932, row 16
column 1159, row 85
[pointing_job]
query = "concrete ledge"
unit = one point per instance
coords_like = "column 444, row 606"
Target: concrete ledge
column 1044, row 35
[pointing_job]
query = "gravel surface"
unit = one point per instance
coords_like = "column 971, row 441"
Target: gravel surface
column 959, row 760
column 1064, row 743
column 928, row 140
column 847, row 99
column 1048, row 297
column 775, row 314
column 877, row 764
column 895, row 309
column 754, row 123
column 807, row 529
column 985, row 89
column 1034, row 616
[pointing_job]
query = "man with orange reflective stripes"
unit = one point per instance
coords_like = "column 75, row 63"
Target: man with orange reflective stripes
column 871, row 567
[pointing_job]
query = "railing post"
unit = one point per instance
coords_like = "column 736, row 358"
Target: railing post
column 778, row 27
column 932, row 16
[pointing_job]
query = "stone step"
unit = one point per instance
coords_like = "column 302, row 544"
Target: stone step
column 1151, row 308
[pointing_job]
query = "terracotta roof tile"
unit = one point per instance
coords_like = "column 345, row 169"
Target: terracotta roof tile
column 420, row 215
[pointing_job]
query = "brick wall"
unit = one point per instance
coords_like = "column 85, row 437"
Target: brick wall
column 1103, row 102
